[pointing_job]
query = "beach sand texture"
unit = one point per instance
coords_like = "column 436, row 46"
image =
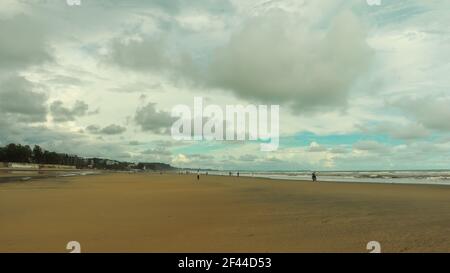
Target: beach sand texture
column 176, row 213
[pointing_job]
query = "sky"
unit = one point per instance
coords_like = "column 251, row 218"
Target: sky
column 360, row 87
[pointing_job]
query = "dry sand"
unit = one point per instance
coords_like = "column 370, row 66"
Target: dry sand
column 176, row 213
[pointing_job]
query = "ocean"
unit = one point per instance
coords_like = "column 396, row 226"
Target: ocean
column 431, row 177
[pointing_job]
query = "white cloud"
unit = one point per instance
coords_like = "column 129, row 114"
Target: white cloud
column 276, row 58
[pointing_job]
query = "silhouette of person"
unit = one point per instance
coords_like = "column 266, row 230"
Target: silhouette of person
column 314, row 177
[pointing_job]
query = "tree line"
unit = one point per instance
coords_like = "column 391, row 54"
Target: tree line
column 25, row 154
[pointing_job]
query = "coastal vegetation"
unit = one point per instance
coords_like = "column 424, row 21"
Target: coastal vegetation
column 18, row 153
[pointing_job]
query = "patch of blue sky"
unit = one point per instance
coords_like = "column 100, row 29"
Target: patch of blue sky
column 200, row 147
column 302, row 139
column 204, row 146
column 306, row 138
column 393, row 11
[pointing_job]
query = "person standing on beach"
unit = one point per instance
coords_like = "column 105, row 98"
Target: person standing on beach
column 238, row 174
column 314, row 177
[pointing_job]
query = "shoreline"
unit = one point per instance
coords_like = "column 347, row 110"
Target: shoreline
column 14, row 176
column 351, row 182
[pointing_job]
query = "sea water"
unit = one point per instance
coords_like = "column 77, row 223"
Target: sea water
column 427, row 177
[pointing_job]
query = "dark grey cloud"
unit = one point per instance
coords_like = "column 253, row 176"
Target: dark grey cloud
column 112, row 129
column 144, row 54
column 152, row 54
column 161, row 151
column 432, row 112
column 93, row 129
column 18, row 101
column 61, row 113
column 23, row 43
column 409, row 131
column 13, row 132
column 150, row 119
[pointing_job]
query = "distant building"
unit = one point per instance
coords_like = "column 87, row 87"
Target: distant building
column 110, row 163
column 23, row 166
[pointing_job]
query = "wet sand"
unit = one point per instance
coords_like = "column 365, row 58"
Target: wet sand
column 16, row 175
column 177, row 213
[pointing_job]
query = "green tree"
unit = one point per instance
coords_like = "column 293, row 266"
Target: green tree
column 38, row 154
column 2, row 154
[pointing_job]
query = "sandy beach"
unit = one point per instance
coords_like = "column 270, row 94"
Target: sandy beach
column 176, row 213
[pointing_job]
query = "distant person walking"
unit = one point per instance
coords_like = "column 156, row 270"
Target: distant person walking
column 314, row 177
column 237, row 174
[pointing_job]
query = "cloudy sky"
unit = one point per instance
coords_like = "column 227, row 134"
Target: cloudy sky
column 359, row 86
